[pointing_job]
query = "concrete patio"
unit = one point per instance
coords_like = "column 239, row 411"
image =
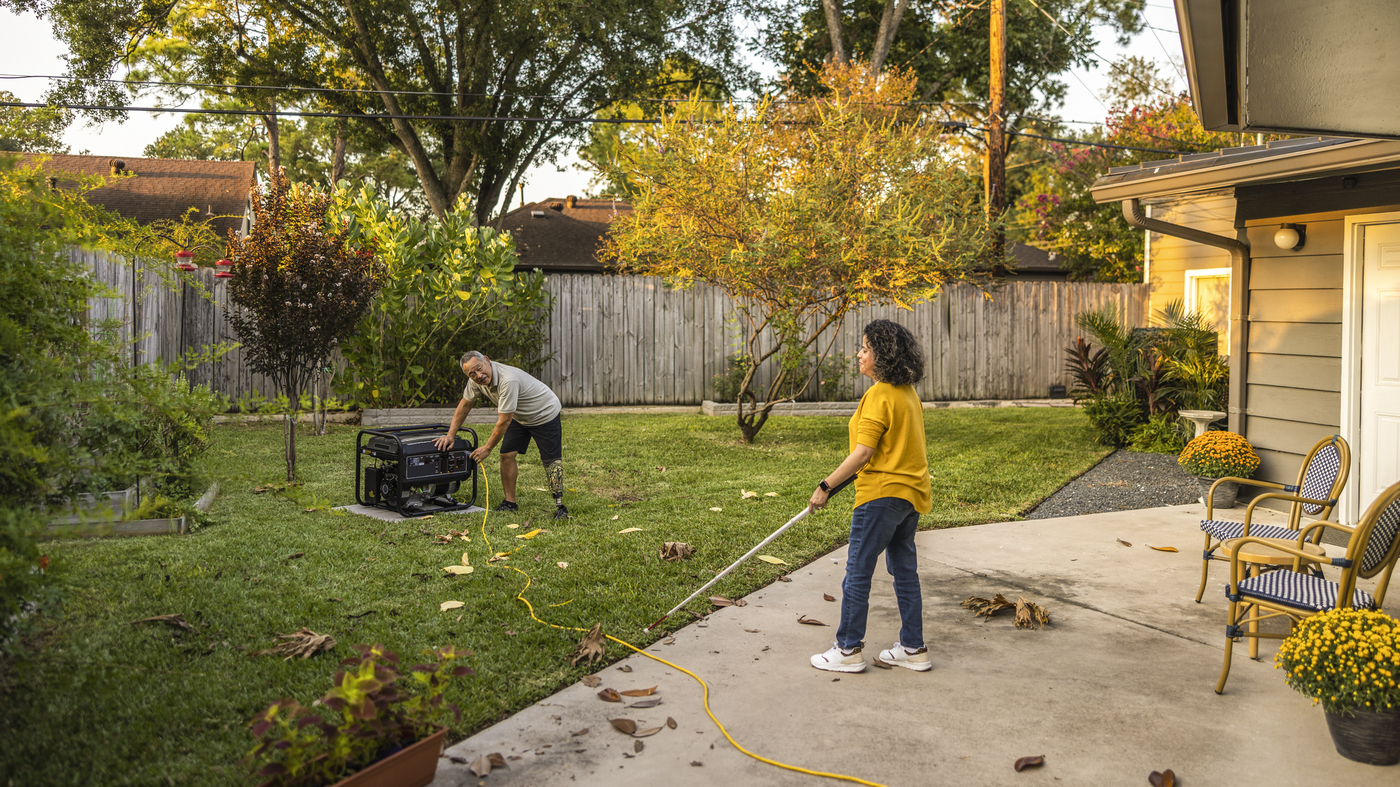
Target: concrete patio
column 1118, row 686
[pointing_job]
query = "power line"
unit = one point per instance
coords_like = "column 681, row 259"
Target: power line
column 1095, row 144
column 1072, row 41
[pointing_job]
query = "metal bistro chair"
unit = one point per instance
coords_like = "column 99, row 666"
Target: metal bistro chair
column 1320, row 481
column 1372, row 549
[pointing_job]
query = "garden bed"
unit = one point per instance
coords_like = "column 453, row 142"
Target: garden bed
column 84, row 527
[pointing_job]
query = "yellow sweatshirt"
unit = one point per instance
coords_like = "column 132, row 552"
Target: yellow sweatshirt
column 890, row 420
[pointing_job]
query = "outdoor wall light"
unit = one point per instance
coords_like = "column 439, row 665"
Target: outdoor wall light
column 184, row 260
column 1290, row 236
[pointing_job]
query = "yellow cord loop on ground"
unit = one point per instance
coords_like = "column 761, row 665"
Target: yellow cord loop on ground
column 703, row 685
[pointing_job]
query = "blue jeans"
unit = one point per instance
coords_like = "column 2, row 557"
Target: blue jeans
column 887, row 525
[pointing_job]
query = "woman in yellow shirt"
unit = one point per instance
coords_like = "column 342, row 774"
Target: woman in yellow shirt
column 888, row 450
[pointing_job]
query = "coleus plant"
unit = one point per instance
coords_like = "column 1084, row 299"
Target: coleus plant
column 371, row 715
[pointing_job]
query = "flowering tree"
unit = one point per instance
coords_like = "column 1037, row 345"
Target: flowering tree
column 301, row 284
column 801, row 211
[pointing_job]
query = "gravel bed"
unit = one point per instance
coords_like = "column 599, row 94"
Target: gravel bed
column 1125, row 480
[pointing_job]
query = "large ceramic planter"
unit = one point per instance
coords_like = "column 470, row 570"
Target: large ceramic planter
column 1225, row 494
column 1368, row 736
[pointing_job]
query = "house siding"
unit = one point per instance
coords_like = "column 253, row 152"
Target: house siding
column 1170, row 258
column 1294, row 380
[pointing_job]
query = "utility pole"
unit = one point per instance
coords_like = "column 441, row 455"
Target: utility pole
column 995, row 170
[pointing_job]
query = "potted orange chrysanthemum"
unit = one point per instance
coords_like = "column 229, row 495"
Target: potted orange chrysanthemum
column 1219, row 461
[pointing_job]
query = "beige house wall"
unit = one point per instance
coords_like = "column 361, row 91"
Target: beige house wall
column 1168, row 258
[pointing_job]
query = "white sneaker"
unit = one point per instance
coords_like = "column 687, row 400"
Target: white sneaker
column 838, row 660
column 898, row 656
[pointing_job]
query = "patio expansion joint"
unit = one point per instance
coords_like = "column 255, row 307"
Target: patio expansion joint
column 1072, row 602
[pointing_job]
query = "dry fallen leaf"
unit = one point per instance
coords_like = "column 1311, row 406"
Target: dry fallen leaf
column 670, row 722
column 466, row 559
column 1124, row 543
column 676, row 550
column 784, row 579
column 777, row 561
column 591, row 681
column 716, row 508
column 562, row 564
column 542, row 489
column 1161, row 549
column 174, row 621
column 770, row 494
column 752, row 631
column 651, row 703
column 696, row 763
column 458, row 569
column 530, row 534
column 1164, row 779
column 512, row 526
column 828, row 597
column 745, row 494
column 590, row 647
column 1029, row 762
column 615, row 516
column 577, row 733
column 303, row 642
column 609, row 695
column 446, row 605
column 809, row 621
column 721, row 601
column 637, row 746
column 481, row 767
column 624, row 725
column 645, row 733
column 662, row 468
column 629, row 529
column 639, row 692
column 985, row 608
column 1029, row 613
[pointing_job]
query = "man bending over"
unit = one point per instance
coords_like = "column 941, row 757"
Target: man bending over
column 526, row 409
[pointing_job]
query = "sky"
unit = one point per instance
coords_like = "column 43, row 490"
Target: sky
column 29, row 47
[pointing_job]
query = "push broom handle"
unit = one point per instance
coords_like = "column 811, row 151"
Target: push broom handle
column 801, row 515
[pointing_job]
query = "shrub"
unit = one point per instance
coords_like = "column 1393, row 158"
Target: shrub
column 1113, row 419
column 729, row 382
column 1219, row 454
column 1160, row 435
column 450, row 288
column 838, row 373
column 1344, row 659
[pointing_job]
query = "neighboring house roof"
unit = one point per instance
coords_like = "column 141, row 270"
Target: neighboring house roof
column 563, row 235
column 162, row 188
column 1272, row 162
column 1029, row 259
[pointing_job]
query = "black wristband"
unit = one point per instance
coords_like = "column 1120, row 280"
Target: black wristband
column 824, row 487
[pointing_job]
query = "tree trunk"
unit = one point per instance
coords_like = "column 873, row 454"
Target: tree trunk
column 290, row 438
column 889, row 26
column 338, row 156
column 833, row 27
column 274, row 145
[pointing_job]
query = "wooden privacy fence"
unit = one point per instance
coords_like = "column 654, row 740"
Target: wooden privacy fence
column 628, row 340
column 621, row 340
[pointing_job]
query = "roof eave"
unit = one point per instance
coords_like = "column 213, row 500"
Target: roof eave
column 1299, row 165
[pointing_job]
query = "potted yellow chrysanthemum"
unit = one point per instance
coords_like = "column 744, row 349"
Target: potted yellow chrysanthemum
column 1348, row 661
column 1223, row 457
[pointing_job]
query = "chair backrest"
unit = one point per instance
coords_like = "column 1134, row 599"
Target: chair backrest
column 1323, row 474
column 1379, row 531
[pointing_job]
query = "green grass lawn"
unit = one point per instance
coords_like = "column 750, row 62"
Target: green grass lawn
column 101, row 701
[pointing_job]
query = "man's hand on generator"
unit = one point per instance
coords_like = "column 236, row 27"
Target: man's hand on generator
column 445, row 442
column 481, row 453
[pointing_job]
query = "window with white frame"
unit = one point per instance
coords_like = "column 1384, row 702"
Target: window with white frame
column 1208, row 292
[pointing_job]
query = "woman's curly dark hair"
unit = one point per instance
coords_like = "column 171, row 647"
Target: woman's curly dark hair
column 898, row 358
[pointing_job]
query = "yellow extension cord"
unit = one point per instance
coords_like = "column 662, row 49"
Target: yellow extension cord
column 703, row 685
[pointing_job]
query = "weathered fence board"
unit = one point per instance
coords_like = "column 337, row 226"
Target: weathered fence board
column 628, row 340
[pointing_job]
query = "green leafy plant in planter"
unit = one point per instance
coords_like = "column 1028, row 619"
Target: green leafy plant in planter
column 1348, row 661
column 373, row 718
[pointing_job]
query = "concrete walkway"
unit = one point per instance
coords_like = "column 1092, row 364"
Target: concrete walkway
column 1119, row 686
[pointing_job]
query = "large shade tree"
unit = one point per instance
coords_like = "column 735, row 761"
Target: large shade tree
column 801, row 211
column 481, row 69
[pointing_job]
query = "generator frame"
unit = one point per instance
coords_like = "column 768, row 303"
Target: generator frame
column 400, row 456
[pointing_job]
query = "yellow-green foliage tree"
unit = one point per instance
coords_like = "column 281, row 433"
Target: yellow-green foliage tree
column 801, row 211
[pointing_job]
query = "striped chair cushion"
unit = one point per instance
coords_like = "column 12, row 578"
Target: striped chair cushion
column 1321, row 475
column 1222, row 530
column 1302, row 591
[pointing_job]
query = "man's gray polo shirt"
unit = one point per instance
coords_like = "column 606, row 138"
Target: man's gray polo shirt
column 514, row 391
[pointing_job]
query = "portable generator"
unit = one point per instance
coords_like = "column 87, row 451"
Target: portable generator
column 408, row 474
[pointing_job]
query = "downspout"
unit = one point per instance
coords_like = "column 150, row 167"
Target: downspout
column 1239, row 290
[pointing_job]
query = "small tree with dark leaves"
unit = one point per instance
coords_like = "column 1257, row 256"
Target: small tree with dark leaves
column 300, row 285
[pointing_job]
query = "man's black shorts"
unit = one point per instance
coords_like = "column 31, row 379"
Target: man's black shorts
column 549, row 438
